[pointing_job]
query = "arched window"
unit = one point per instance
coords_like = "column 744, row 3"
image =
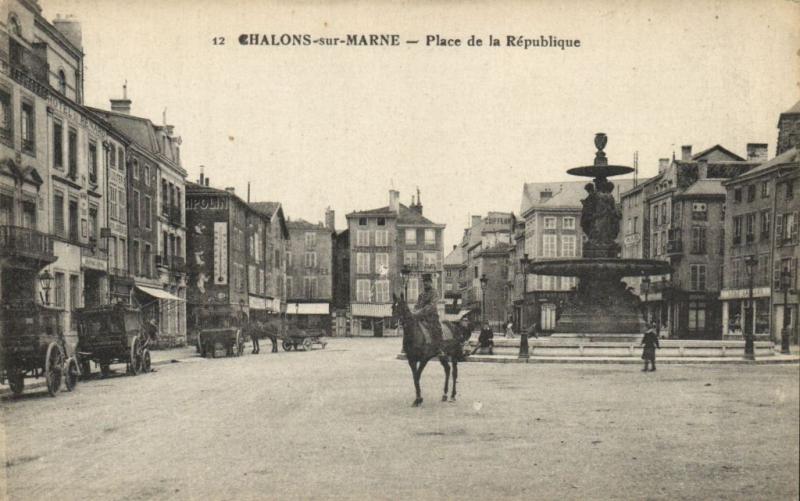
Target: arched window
column 14, row 26
column 62, row 81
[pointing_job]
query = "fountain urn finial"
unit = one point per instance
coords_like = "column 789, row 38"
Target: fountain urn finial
column 600, row 140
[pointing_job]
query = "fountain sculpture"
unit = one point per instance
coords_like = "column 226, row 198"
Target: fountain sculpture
column 603, row 307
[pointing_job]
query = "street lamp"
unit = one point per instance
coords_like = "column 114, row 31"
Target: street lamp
column 405, row 271
column 645, row 287
column 523, row 340
column 786, row 284
column 749, row 352
column 46, row 282
column 483, row 281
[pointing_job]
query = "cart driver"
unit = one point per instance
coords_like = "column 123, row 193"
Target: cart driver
column 426, row 310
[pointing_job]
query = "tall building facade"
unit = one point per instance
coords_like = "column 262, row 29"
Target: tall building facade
column 382, row 242
column 309, row 273
column 759, row 294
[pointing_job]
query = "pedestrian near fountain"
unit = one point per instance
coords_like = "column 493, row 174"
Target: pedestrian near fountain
column 650, row 343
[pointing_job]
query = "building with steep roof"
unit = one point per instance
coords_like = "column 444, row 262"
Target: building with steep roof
column 383, row 242
column 677, row 216
column 762, row 243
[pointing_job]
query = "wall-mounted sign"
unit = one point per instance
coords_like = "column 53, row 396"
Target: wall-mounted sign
column 93, row 263
column 220, row 253
column 206, row 203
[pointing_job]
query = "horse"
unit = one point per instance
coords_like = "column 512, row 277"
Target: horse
column 419, row 349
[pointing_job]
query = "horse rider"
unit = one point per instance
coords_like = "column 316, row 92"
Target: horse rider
column 426, row 311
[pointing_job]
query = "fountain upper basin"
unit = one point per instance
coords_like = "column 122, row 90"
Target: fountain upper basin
column 605, row 267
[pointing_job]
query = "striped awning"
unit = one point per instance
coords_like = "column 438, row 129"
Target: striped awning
column 371, row 310
column 158, row 293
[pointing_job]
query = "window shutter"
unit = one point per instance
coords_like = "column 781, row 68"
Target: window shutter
column 793, row 229
column 778, row 229
column 776, row 275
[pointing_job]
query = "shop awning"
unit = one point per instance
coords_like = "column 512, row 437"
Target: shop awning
column 307, row 309
column 158, row 293
column 371, row 310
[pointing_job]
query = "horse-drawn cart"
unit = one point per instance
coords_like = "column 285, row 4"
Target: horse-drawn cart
column 221, row 334
column 296, row 337
column 33, row 345
column 112, row 334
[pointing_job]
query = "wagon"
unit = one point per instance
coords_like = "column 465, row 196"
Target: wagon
column 220, row 334
column 296, row 337
column 33, row 345
column 111, row 334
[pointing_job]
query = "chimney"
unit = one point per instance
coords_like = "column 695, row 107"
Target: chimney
column 702, row 169
column 231, row 190
column 122, row 105
column 546, row 194
column 686, row 152
column 756, row 152
column 416, row 206
column 663, row 163
column 207, row 181
column 476, row 220
column 71, row 29
column 394, row 201
column 330, row 219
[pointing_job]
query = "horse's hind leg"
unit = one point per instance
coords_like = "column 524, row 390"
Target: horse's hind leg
column 455, row 378
column 446, row 366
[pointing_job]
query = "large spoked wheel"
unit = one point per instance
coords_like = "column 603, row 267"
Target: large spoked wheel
column 72, row 374
column 146, row 361
column 307, row 343
column 287, row 346
column 135, row 363
column 53, row 367
column 16, row 380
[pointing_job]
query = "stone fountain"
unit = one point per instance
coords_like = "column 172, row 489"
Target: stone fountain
column 603, row 308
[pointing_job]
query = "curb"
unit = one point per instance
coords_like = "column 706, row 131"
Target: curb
column 794, row 360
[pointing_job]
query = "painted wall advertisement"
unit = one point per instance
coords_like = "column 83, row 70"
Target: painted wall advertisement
column 220, row 253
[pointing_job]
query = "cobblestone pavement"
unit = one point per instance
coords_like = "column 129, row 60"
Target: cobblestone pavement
column 337, row 424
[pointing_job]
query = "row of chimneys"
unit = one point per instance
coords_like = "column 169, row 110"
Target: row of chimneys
column 394, row 202
column 756, row 152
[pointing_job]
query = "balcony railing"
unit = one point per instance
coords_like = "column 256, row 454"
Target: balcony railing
column 29, row 69
column 16, row 241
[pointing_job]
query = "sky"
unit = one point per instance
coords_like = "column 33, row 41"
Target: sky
column 315, row 126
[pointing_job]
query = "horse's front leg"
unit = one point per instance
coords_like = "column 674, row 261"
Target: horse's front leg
column 446, row 366
column 455, row 378
column 415, row 373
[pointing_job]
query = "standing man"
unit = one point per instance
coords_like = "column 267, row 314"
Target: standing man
column 650, row 343
column 426, row 311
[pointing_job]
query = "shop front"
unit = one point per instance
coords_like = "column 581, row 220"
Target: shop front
column 740, row 315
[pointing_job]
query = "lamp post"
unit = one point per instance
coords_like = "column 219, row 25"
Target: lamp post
column 645, row 288
column 523, row 340
column 484, row 281
column 786, row 283
column 405, row 271
column 749, row 351
column 46, row 282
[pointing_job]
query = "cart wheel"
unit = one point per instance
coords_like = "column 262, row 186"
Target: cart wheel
column 105, row 369
column 287, row 346
column 72, row 373
column 307, row 343
column 135, row 357
column 16, row 380
column 53, row 365
column 86, row 369
column 146, row 361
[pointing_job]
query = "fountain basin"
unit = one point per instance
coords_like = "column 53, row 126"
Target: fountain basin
column 608, row 268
